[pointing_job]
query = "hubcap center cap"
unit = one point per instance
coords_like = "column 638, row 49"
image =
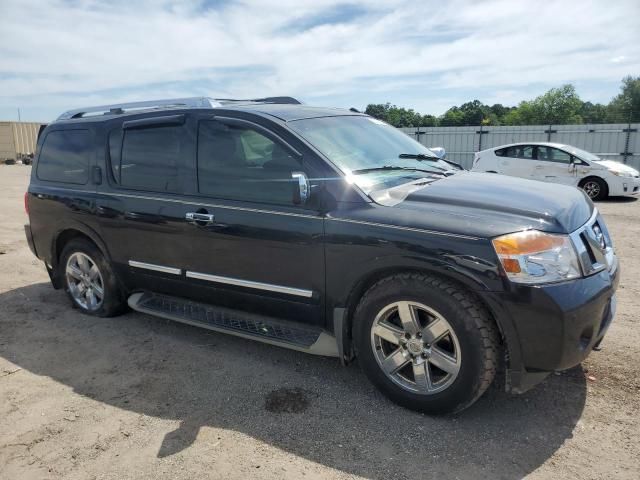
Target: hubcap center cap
column 415, row 346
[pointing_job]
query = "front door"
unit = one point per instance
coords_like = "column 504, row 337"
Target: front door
column 252, row 244
column 554, row 165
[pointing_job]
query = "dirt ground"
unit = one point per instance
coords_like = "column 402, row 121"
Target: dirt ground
column 139, row 397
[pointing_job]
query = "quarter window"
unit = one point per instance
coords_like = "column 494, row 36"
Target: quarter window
column 65, row 157
column 240, row 163
column 150, row 158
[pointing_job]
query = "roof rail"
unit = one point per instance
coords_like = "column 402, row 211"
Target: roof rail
column 118, row 108
column 279, row 100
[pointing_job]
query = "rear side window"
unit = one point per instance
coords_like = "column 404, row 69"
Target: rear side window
column 115, row 143
column 150, row 158
column 517, row 151
column 65, row 157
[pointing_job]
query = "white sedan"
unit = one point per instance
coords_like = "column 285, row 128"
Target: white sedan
column 558, row 163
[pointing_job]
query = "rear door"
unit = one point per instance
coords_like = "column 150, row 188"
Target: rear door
column 139, row 204
column 516, row 161
column 251, row 243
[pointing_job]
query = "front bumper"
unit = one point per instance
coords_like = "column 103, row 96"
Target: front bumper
column 553, row 327
column 619, row 186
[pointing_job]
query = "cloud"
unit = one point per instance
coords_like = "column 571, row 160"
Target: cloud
column 428, row 55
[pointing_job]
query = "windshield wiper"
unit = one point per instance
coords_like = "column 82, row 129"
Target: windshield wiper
column 419, row 156
column 424, row 156
column 436, row 170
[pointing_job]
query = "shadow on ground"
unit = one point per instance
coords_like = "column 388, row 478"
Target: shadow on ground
column 309, row 406
column 619, row 200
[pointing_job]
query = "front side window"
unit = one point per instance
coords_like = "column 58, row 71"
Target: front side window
column 65, row 157
column 550, row 154
column 150, row 158
column 240, row 163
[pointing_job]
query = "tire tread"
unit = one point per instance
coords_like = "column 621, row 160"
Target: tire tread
column 482, row 320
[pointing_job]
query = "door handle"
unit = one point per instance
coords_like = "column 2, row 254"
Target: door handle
column 539, row 167
column 201, row 219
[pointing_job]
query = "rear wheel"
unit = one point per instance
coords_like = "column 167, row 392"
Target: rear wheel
column 90, row 281
column 595, row 188
column 426, row 343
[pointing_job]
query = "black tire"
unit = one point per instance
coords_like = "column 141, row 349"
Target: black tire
column 9, row 161
column 476, row 333
column 595, row 185
column 114, row 299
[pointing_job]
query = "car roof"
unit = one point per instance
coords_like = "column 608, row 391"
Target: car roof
column 546, row 144
column 285, row 112
column 288, row 113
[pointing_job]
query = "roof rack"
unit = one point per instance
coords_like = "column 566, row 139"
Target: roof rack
column 279, row 100
column 118, row 108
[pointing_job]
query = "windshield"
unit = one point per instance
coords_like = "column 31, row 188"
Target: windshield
column 365, row 149
column 581, row 154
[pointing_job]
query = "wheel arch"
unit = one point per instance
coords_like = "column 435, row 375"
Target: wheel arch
column 347, row 313
column 62, row 238
column 597, row 177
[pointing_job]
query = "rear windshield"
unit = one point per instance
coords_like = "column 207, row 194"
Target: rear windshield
column 65, row 157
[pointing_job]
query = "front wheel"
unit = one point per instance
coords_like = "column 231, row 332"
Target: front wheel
column 426, row 343
column 595, row 188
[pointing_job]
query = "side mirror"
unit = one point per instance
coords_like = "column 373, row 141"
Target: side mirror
column 439, row 151
column 302, row 188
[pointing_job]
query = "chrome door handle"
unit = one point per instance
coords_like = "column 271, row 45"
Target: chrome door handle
column 539, row 167
column 199, row 218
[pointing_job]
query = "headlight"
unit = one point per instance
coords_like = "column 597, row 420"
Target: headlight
column 622, row 174
column 537, row 257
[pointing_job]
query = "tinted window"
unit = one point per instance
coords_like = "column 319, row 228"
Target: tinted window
column 242, row 164
column 551, row 154
column 65, row 157
column 115, row 142
column 519, row 151
column 150, row 158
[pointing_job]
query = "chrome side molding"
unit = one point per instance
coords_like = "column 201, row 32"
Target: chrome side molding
column 250, row 284
column 155, row 268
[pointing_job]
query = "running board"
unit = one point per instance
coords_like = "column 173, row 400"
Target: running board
column 281, row 333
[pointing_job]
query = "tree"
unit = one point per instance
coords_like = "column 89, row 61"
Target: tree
column 594, row 112
column 557, row 106
column 626, row 105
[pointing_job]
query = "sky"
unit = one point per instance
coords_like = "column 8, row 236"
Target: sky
column 426, row 55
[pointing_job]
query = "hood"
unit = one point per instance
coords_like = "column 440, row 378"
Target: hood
column 487, row 205
column 616, row 166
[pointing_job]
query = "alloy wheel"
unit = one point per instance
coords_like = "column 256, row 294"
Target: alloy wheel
column 416, row 347
column 84, row 281
column 592, row 189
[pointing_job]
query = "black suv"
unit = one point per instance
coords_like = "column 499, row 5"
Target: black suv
column 325, row 231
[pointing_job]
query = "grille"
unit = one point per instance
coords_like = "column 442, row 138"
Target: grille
column 593, row 244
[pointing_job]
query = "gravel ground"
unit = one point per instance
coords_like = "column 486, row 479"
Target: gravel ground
column 139, row 397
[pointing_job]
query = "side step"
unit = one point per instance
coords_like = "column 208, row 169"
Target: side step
column 307, row 339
